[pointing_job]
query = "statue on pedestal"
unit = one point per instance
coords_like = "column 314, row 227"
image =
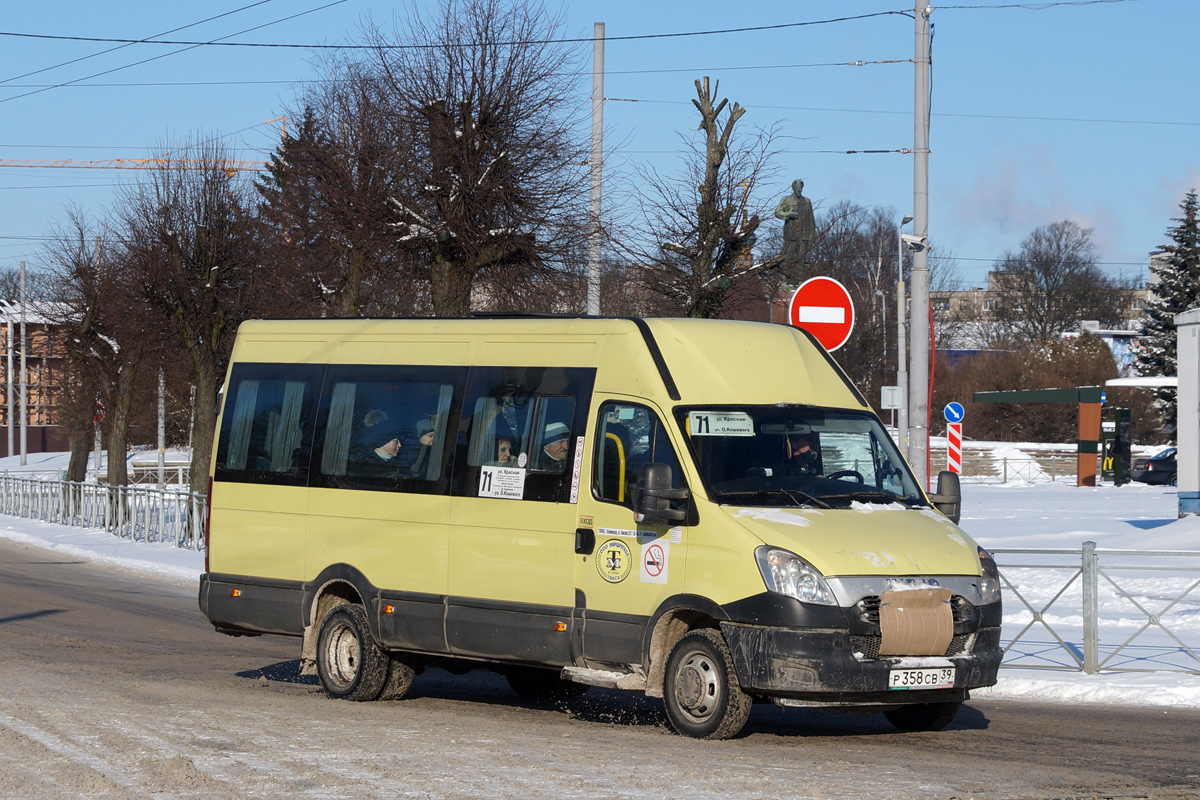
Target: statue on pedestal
column 799, row 226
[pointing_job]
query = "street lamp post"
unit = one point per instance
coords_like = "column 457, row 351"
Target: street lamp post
column 901, row 347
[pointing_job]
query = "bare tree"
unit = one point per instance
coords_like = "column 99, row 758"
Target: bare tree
column 189, row 237
column 1052, row 282
column 484, row 103
column 697, row 230
column 101, row 308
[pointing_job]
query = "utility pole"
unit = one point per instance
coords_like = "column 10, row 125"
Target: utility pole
column 12, row 384
column 24, row 388
column 594, row 237
column 162, row 430
column 901, row 343
column 918, row 391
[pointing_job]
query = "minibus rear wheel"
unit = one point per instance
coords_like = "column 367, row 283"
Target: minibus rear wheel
column 701, row 693
column 350, row 665
column 923, row 716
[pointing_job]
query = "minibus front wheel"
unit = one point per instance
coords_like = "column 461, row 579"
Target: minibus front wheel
column 349, row 663
column 701, row 691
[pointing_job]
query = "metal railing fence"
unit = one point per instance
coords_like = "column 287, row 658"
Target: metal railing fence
column 1036, row 467
column 1133, row 605
column 138, row 513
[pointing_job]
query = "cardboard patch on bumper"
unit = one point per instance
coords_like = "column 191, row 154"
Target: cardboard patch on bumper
column 915, row 622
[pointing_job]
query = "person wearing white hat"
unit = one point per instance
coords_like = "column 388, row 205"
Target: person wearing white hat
column 555, row 443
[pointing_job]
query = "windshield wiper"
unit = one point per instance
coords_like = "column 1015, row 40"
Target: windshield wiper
column 874, row 494
column 793, row 494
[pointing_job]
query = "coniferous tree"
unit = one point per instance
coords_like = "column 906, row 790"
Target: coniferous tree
column 1177, row 289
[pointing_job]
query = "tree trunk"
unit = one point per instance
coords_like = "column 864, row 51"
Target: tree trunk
column 119, row 405
column 80, row 443
column 450, row 286
column 204, row 419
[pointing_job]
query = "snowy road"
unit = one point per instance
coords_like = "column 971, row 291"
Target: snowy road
column 115, row 687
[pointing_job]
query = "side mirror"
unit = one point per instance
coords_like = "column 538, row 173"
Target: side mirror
column 948, row 499
column 653, row 495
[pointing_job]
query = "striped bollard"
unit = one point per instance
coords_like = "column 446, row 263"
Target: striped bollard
column 954, row 447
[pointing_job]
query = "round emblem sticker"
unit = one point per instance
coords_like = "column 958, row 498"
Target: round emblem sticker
column 613, row 561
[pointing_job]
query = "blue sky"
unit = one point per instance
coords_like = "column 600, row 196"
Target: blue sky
column 1049, row 111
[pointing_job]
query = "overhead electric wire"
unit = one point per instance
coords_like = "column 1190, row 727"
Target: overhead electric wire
column 1035, row 6
column 130, row 44
column 175, row 52
column 518, row 43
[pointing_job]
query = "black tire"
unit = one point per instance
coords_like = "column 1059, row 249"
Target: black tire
column 400, row 674
column 700, row 689
column 349, row 663
column 533, row 682
column 1173, row 480
column 923, row 716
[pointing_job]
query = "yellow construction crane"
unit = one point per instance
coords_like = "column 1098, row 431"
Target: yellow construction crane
column 230, row 167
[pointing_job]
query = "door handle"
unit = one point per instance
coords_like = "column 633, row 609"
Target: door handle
column 585, row 541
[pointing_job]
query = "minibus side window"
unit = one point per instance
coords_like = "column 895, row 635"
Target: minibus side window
column 630, row 436
column 384, row 428
column 266, row 430
column 519, row 432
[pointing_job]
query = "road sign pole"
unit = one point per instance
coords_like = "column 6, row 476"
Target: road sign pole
column 954, row 447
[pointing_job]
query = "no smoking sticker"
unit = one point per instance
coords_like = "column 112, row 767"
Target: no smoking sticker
column 655, row 557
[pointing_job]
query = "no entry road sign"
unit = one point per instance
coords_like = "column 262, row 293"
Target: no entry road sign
column 822, row 307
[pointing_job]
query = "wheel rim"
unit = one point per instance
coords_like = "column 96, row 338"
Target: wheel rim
column 342, row 656
column 698, row 686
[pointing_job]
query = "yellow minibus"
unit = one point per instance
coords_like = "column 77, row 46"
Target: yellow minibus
column 703, row 511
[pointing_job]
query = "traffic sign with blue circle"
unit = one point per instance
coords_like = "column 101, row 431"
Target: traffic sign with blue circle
column 954, row 412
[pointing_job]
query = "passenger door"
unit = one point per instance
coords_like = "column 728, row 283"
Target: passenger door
column 516, row 479
column 624, row 570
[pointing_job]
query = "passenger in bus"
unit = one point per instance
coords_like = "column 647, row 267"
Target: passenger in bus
column 425, row 435
column 380, row 461
column 555, row 443
column 503, row 452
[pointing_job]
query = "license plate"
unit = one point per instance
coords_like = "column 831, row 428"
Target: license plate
column 936, row 678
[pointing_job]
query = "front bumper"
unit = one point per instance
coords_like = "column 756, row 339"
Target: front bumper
column 822, row 667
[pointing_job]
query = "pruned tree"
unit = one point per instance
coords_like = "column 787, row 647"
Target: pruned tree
column 1176, row 289
column 697, row 231
column 484, row 107
column 190, row 239
column 1051, row 283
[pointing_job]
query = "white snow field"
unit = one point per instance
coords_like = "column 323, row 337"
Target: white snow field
column 1149, row 606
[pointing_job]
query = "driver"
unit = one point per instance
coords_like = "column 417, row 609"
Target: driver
column 802, row 457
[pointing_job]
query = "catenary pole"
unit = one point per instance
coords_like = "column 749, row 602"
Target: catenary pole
column 918, row 390
column 594, row 237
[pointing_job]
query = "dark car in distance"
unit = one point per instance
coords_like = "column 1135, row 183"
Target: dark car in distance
column 1158, row 468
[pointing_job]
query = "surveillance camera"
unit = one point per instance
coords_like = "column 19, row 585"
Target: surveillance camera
column 915, row 243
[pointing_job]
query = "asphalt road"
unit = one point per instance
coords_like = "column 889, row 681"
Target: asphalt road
column 114, row 686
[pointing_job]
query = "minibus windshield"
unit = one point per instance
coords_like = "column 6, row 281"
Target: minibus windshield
column 796, row 456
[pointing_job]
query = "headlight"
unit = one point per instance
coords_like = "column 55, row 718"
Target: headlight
column 789, row 574
column 989, row 586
